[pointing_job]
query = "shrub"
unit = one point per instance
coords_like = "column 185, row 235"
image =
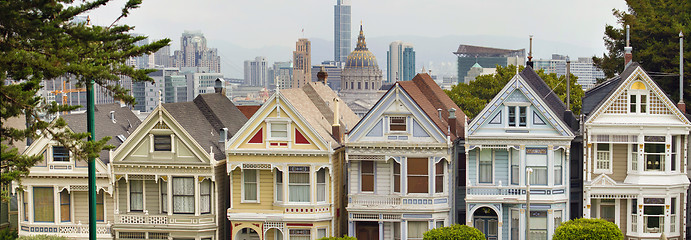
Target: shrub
column 42, row 237
column 587, row 229
column 7, row 234
column 345, row 237
column 456, row 231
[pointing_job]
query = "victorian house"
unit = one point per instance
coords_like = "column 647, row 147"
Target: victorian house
column 285, row 167
column 519, row 139
column 53, row 198
column 169, row 175
column 398, row 158
column 636, row 151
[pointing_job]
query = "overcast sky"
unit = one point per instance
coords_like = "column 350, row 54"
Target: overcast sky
column 262, row 23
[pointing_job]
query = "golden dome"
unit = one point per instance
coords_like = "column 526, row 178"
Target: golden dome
column 361, row 57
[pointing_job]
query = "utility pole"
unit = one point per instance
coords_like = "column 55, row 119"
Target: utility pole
column 92, row 161
column 528, row 171
column 568, row 83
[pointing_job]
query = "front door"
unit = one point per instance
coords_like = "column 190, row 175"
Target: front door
column 485, row 220
column 367, row 230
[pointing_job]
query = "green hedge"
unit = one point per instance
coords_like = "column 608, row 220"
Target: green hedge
column 345, row 237
column 42, row 237
column 454, row 232
column 588, row 229
column 8, row 234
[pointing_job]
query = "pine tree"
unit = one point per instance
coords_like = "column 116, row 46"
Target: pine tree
column 38, row 41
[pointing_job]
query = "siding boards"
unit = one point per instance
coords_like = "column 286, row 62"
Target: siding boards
column 501, row 166
column 619, row 158
column 505, row 218
column 122, row 198
column 472, row 169
column 81, row 207
column 152, row 197
column 623, row 213
column 265, row 191
column 383, row 177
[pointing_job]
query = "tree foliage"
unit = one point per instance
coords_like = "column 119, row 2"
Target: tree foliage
column 587, row 229
column 473, row 97
column 654, row 37
column 453, row 232
column 39, row 40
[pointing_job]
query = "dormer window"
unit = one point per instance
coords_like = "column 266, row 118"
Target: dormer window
column 397, row 124
column 278, row 129
column 518, row 116
column 162, row 143
column 60, row 154
column 638, row 98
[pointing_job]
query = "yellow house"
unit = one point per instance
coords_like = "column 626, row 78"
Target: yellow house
column 284, row 166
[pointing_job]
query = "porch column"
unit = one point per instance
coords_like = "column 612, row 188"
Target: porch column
column 586, row 203
column 550, row 165
column 381, row 229
column 169, row 195
column 641, row 156
column 668, row 211
column 196, row 195
column 351, row 228
column 550, row 223
column 639, row 215
column 56, row 205
column 521, row 171
column 522, row 232
column 404, row 229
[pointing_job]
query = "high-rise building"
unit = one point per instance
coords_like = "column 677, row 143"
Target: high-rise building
column 175, row 89
column 487, row 57
column 302, row 63
column 400, row 62
column 146, row 94
column 194, row 53
column 282, row 75
column 582, row 68
column 256, row 72
column 162, row 57
column 341, row 30
column 333, row 69
column 200, row 83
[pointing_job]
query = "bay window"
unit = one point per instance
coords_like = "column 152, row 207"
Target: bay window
column 603, row 162
column 100, row 210
column 136, row 195
column 538, row 225
column 673, row 216
column 515, row 223
column 164, row 196
column 321, row 185
column 536, row 158
column 558, row 163
column 25, row 205
column 205, row 196
column 250, row 184
column 183, row 195
column 439, row 177
column 675, row 149
column 299, row 183
column 65, row 206
column 279, row 186
column 653, row 215
column 654, row 153
column 418, row 175
column 485, row 166
column 43, row 204
column 607, row 210
column 299, row 234
column 416, row 229
column 557, row 218
column 367, row 176
column 633, row 152
column 515, row 166
column 396, row 177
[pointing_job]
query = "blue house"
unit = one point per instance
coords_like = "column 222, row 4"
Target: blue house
column 523, row 128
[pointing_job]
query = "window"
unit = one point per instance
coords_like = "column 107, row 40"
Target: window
column 518, row 116
column 634, row 156
column 515, row 223
column 100, row 210
column 397, row 124
column 653, row 215
column 522, row 118
column 673, row 216
column 397, row 230
column 536, row 158
column 64, row 206
column 632, row 103
column 634, row 215
column 418, row 174
column 515, row 167
column 321, row 185
column 299, row 234
column 607, row 211
column 359, row 85
column 675, row 148
column 136, row 195
column 278, row 131
column 439, row 224
column 164, row 196
column 638, row 98
column 557, row 218
column 25, row 205
column 512, row 116
column 416, row 229
column 279, row 186
column 250, row 184
column 367, row 176
column 439, row 177
column 60, row 154
column 538, row 225
column 162, row 143
column 604, row 157
column 351, row 85
column 654, row 153
column 43, row 204
column 299, row 183
column 183, row 195
column 321, row 233
column 558, row 161
column 205, row 196
column 396, row 177
column 485, row 169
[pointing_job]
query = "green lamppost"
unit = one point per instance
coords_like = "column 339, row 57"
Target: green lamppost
column 92, row 161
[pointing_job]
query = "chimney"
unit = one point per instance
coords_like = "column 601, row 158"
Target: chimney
column 530, row 54
column 218, row 86
column 112, row 116
column 439, row 111
column 223, row 135
column 336, row 126
column 452, row 121
column 681, row 105
column 628, row 56
column 322, row 75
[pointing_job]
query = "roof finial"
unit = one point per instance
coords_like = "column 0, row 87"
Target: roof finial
column 88, row 20
column 160, row 97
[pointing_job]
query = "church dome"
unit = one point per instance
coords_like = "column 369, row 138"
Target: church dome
column 361, row 57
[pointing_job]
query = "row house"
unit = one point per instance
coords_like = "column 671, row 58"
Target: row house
column 285, row 168
column 53, row 199
column 521, row 129
column 399, row 163
column 169, row 175
column 636, row 150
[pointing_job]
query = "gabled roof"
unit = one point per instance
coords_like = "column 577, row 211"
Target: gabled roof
column 594, row 97
column 430, row 97
column 125, row 123
column 545, row 92
column 249, row 110
column 205, row 116
column 314, row 102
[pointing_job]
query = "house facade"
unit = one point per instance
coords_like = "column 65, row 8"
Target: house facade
column 53, row 198
column 398, row 158
column 168, row 177
column 521, row 129
column 285, row 168
column 636, row 151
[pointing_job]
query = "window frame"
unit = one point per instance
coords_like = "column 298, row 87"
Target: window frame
column 297, row 170
column 210, row 195
column 275, row 120
column 130, row 194
column 438, row 175
column 640, row 100
column 661, row 222
column 64, row 159
column 371, row 175
column 100, row 211
column 51, row 205
column 244, row 182
column 426, row 175
column 490, row 165
column 392, row 124
column 67, row 211
column 163, row 190
column 161, row 147
column 396, row 177
column 515, row 118
column 560, row 180
column 609, row 162
column 194, row 202
column 323, row 192
column 278, row 186
column 663, row 155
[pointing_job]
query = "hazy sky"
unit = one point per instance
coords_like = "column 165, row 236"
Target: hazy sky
column 262, row 23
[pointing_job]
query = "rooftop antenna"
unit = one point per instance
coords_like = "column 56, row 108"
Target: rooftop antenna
column 628, row 56
column 568, row 83
column 530, row 53
column 681, row 104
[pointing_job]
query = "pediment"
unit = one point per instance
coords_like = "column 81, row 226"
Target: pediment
column 603, row 180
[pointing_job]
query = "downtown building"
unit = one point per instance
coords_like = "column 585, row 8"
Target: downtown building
column 469, row 55
column 257, row 72
column 341, row 30
column 302, row 63
column 194, row 53
column 400, row 62
column 583, row 68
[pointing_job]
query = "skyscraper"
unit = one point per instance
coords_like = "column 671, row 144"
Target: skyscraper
column 400, row 62
column 302, row 63
column 194, row 53
column 341, row 30
column 469, row 55
column 256, row 72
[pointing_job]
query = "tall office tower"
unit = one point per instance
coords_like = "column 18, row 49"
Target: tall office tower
column 256, row 72
column 143, row 61
column 469, row 55
column 582, row 68
column 194, row 53
column 341, row 30
column 400, row 62
column 282, row 76
column 162, row 57
column 146, row 94
column 302, row 63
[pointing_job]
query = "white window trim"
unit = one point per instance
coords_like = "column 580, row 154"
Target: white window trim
column 477, row 165
column 270, row 121
column 554, row 166
column 595, row 167
column 528, row 116
column 374, row 180
column 51, row 159
column 638, row 93
column 242, row 186
column 445, row 176
column 275, row 170
column 326, row 185
column 129, row 198
column 408, row 124
column 312, row 186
